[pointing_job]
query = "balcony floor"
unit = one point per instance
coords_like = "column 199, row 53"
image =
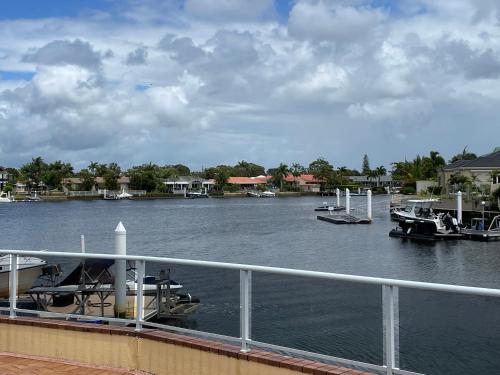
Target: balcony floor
column 13, row 364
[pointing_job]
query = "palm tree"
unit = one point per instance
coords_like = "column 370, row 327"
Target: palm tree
column 380, row 171
column 296, row 171
column 372, row 174
column 93, row 167
column 280, row 173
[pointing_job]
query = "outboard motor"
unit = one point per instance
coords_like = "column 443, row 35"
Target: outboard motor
column 450, row 223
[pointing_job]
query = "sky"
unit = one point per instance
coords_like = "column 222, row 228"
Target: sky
column 209, row 82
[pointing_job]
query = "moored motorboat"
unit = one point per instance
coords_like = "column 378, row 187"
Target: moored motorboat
column 267, row 194
column 418, row 221
column 28, row 268
column 6, row 198
column 196, row 194
column 124, row 195
column 253, row 194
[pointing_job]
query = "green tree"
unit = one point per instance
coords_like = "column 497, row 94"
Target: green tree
column 380, row 171
column 87, row 179
column 221, row 177
column 246, row 169
column 365, row 166
column 111, row 175
column 464, row 155
column 322, row 170
column 33, row 172
column 55, row 172
column 145, row 177
column 280, row 173
column 297, row 170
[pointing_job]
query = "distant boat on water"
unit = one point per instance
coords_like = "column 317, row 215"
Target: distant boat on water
column 5, row 198
column 267, row 194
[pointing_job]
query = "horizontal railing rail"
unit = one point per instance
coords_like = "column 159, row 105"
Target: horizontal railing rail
column 390, row 301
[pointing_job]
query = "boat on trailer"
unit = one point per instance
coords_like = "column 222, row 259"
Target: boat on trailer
column 28, row 269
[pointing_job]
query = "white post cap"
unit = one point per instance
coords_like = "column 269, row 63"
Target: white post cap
column 120, row 228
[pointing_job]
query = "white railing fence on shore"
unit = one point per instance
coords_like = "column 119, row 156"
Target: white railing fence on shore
column 390, row 302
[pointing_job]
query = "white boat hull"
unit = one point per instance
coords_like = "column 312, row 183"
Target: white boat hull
column 25, row 278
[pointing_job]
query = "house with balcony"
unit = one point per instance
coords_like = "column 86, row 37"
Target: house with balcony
column 305, row 182
column 483, row 172
column 370, row 182
column 178, row 185
column 5, row 178
column 75, row 184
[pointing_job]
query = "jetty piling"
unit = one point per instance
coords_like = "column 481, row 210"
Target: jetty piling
column 82, row 243
column 120, row 272
column 347, row 201
column 369, row 205
column 459, row 207
column 337, row 193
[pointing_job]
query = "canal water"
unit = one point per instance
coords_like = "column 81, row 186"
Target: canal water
column 439, row 333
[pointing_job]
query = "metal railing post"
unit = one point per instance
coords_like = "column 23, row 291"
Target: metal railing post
column 13, row 286
column 245, row 308
column 140, row 266
column 390, row 313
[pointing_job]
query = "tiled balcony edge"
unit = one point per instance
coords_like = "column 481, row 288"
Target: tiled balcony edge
column 267, row 358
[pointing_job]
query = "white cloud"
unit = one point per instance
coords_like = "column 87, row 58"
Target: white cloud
column 202, row 82
column 327, row 21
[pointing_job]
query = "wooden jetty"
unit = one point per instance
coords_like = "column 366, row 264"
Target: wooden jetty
column 344, row 219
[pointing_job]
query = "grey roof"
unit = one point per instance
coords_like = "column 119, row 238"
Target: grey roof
column 491, row 161
column 188, row 179
column 387, row 178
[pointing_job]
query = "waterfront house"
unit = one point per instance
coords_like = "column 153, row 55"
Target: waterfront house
column 249, row 183
column 75, row 184
column 177, row 185
column 371, row 182
column 5, row 178
column 483, row 172
column 21, row 187
column 305, row 182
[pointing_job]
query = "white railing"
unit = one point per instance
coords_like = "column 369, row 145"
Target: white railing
column 390, row 302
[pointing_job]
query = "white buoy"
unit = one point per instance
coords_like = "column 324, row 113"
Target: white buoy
column 337, row 191
column 459, row 207
column 369, row 204
column 120, row 272
column 347, row 202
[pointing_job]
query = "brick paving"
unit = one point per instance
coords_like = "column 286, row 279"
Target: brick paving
column 14, row 364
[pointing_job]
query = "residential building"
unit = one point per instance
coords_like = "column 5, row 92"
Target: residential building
column 484, row 172
column 75, row 184
column 177, row 185
column 5, row 178
column 249, row 183
column 371, row 182
column 305, row 182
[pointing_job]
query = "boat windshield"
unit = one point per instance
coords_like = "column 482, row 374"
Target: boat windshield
column 418, row 207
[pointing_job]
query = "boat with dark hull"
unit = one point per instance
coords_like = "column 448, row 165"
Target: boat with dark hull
column 417, row 221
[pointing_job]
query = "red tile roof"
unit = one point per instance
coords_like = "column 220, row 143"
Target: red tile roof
column 304, row 177
column 248, row 180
